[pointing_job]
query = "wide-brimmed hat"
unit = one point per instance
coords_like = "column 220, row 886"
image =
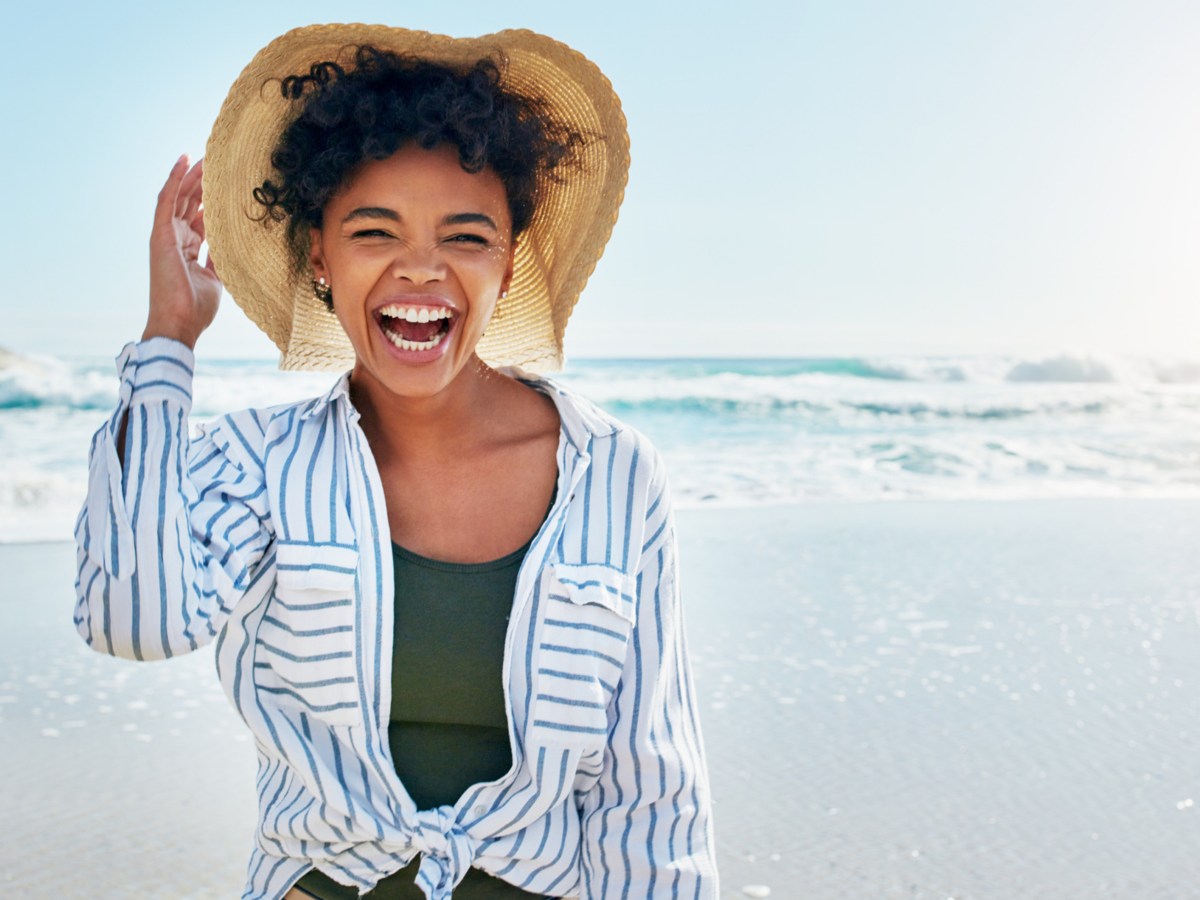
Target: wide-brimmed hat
column 555, row 255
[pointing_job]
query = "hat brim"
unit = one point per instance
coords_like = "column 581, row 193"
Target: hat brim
column 555, row 255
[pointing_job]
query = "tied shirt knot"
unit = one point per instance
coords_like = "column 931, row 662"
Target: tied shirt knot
column 446, row 851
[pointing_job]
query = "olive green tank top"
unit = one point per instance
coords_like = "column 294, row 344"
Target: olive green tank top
column 448, row 727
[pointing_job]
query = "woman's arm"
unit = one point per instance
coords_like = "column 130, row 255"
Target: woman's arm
column 170, row 530
column 648, row 820
column 169, row 535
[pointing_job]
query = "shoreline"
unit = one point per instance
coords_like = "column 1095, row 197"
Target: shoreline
column 688, row 509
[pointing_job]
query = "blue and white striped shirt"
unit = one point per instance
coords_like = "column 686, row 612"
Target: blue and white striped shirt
column 269, row 534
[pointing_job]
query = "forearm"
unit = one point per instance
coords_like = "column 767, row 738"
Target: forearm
column 149, row 588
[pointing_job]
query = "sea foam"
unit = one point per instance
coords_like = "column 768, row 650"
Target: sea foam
column 737, row 431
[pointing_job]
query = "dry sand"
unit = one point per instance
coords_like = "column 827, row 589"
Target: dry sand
column 917, row 700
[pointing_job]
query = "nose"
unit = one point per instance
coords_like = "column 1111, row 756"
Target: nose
column 418, row 265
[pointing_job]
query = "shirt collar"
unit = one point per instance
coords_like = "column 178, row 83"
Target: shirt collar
column 339, row 392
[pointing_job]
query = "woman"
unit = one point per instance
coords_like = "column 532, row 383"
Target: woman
column 443, row 595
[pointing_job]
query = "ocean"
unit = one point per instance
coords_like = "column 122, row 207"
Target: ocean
column 734, row 432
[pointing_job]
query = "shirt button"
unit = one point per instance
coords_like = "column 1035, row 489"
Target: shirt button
column 480, row 810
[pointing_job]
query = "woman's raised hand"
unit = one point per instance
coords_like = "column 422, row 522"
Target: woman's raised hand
column 183, row 293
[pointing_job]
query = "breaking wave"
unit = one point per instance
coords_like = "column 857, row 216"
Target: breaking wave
column 736, row 431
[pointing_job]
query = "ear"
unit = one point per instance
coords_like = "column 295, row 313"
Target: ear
column 316, row 254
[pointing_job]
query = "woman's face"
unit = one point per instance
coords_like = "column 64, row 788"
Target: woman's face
column 416, row 251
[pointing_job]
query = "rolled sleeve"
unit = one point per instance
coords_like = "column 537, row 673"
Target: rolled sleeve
column 158, row 370
column 149, row 584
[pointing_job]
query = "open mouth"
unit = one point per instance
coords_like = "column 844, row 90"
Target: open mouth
column 415, row 327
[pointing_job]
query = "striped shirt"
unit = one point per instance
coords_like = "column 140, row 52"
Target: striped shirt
column 268, row 533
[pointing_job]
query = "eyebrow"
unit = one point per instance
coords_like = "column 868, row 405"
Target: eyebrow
column 371, row 212
column 380, row 212
column 470, row 219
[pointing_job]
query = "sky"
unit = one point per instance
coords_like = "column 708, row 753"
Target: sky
column 809, row 178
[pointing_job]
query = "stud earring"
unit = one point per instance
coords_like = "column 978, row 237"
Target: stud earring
column 323, row 291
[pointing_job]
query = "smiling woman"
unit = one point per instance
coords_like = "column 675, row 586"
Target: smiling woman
column 443, row 595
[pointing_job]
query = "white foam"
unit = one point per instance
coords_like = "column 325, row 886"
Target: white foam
column 738, row 433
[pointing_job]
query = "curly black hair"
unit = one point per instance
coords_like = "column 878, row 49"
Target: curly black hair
column 349, row 116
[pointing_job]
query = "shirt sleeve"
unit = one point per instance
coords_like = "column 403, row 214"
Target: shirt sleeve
column 168, row 537
column 647, row 822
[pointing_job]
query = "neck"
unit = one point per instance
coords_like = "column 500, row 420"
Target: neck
column 411, row 428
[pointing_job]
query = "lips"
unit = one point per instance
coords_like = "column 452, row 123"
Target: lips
column 415, row 327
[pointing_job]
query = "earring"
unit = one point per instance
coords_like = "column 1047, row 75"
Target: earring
column 323, row 291
column 503, row 294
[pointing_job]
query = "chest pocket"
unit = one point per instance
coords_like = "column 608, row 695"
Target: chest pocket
column 305, row 656
column 589, row 616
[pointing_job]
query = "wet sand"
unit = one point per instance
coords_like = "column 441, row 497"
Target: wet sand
column 916, row 700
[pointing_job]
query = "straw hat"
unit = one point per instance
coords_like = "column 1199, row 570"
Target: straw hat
column 555, row 255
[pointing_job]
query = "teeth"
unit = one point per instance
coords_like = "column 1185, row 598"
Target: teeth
column 414, row 345
column 417, row 313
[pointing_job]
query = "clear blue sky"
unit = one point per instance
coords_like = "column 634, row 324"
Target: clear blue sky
column 823, row 178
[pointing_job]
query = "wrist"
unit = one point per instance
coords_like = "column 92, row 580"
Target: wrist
column 173, row 330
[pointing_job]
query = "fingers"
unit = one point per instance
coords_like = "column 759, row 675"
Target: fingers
column 197, row 222
column 198, row 227
column 181, row 195
column 165, row 208
column 190, row 192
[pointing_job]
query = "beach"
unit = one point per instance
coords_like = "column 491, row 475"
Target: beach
column 917, row 699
